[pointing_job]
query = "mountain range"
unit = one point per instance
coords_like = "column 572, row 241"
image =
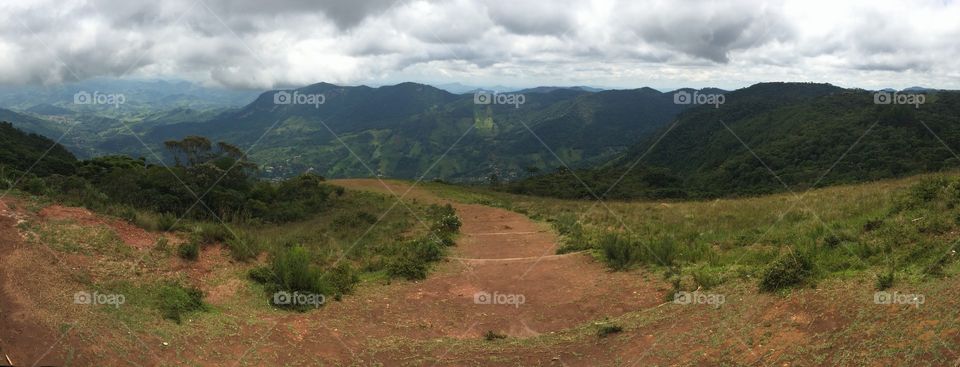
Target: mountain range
column 676, row 148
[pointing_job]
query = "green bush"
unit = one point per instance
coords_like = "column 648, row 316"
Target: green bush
column 407, row 267
column 885, row 280
column 189, row 250
column 789, row 270
column 175, row 301
column 608, row 329
column 167, row 221
column 619, row 251
column 568, row 224
column 291, row 270
column 491, row 335
column 343, row 278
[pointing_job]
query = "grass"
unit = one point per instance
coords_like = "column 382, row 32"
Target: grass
column 842, row 230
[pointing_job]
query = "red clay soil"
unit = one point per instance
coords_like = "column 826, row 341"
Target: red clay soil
column 499, row 254
column 129, row 233
column 22, row 340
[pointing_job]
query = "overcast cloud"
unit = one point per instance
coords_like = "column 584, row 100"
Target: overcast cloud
column 279, row 43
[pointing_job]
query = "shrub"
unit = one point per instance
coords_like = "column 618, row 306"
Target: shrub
column 619, row 252
column 705, row 278
column 568, row 225
column 167, row 221
column 491, row 335
column 292, row 270
column 428, row 249
column 608, row 329
column 343, row 277
column 445, row 219
column 885, row 280
column 189, row 250
column 407, row 267
column 789, row 270
column 175, row 300
column 162, row 245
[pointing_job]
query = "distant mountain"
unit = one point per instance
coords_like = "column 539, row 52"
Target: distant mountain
column 918, row 90
column 139, row 97
column 403, row 130
column 49, row 110
column 800, row 131
column 551, row 89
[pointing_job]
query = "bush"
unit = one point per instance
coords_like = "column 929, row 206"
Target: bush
column 789, row 270
column 705, row 278
column 568, row 225
column 189, row 250
column 167, row 221
column 445, row 219
column 343, row 277
column 608, row 329
column 175, row 300
column 291, row 270
column 619, row 252
column 243, row 247
column 491, row 335
column 885, row 280
column 407, row 267
column 427, row 249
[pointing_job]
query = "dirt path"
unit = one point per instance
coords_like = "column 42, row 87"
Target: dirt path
column 22, row 340
column 502, row 276
column 504, row 257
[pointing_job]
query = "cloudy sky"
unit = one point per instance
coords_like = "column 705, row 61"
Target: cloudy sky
column 630, row 43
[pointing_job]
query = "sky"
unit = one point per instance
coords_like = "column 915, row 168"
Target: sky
column 257, row 44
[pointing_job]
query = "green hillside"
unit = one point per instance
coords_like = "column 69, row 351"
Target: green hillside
column 21, row 152
column 799, row 131
column 403, row 130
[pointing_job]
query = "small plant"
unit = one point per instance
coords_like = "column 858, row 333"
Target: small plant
column 608, row 329
column 166, row 222
column 619, row 252
column 789, row 270
column 491, row 335
column 407, row 267
column 885, row 280
column 162, row 245
column 175, row 300
column 189, row 250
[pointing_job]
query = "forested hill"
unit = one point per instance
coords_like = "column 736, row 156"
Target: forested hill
column 799, row 131
column 21, row 151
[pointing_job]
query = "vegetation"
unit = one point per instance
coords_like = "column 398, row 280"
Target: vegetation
column 897, row 229
column 801, row 132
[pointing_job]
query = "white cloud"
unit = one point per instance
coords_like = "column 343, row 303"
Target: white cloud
column 617, row 43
